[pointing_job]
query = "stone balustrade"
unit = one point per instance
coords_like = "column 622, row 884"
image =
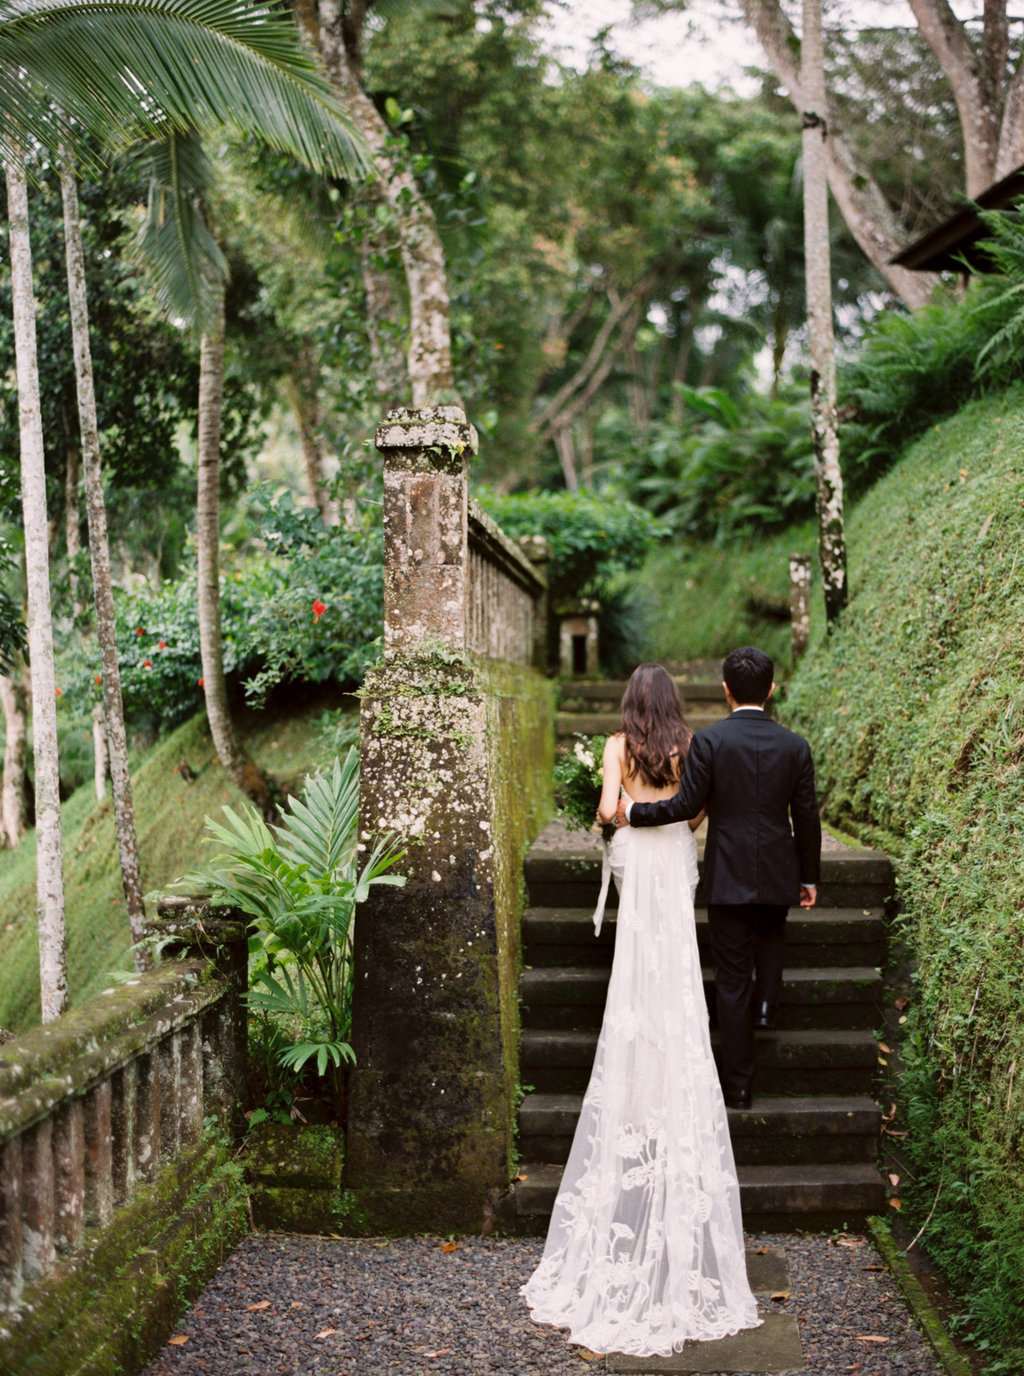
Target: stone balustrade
column 101, row 1111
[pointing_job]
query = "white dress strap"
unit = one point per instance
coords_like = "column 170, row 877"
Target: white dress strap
column 606, row 879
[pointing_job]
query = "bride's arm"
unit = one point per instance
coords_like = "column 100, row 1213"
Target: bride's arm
column 695, row 822
column 611, row 779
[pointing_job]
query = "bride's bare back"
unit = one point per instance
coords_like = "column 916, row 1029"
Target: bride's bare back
column 616, row 774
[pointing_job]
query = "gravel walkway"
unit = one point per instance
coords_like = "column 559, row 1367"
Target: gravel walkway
column 283, row 1305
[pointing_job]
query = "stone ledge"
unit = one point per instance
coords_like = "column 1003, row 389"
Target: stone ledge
column 156, row 1255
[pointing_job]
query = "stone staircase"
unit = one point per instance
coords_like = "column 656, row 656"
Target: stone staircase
column 806, row 1151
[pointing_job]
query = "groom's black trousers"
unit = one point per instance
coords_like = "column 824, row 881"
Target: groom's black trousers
column 744, row 941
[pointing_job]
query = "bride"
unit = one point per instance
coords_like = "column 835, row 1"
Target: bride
column 645, row 1246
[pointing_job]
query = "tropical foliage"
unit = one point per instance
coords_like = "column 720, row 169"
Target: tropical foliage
column 300, row 884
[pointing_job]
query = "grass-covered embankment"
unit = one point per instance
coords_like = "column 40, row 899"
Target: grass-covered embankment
column 915, row 708
column 176, row 785
column 702, row 600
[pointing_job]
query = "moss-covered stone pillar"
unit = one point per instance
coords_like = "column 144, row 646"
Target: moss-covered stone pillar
column 435, row 1009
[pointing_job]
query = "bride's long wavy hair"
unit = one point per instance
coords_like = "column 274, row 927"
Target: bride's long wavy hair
column 657, row 737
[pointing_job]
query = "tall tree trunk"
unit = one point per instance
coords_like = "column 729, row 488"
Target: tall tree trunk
column 302, row 390
column 975, row 76
column 100, row 752
column 233, row 758
column 53, row 961
column 390, row 369
column 99, row 554
column 429, row 356
column 72, row 514
column 868, row 215
column 824, row 422
column 13, row 812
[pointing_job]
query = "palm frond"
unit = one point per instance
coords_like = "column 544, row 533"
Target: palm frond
column 319, row 828
column 125, row 68
column 184, row 262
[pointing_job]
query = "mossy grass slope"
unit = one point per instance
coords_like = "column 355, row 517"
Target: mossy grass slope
column 702, row 600
column 915, row 707
column 176, row 785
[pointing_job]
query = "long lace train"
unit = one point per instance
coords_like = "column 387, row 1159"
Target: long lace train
column 645, row 1247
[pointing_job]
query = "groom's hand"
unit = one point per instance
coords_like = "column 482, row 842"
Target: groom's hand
column 808, row 895
column 621, row 820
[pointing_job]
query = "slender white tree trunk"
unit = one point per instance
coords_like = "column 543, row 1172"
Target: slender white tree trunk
column 100, row 752
column 211, row 403
column 824, row 422
column 53, row 963
column 99, row 553
column 13, row 813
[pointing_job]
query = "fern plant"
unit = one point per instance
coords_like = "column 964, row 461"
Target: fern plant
column 300, row 884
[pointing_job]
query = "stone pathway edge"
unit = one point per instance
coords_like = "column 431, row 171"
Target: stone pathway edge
column 925, row 1314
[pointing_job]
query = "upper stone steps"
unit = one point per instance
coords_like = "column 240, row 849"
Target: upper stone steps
column 833, row 997
column 571, row 879
column 800, row 1061
column 568, row 724
column 565, row 936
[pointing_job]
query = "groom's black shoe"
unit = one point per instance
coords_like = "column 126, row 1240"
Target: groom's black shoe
column 765, row 1017
column 741, row 1099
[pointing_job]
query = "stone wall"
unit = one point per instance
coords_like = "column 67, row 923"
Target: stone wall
column 457, row 747
column 118, row 1193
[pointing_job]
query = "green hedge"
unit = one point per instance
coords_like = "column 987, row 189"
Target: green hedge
column 915, row 707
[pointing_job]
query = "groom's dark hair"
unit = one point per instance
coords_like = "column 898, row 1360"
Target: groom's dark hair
column 748, row 674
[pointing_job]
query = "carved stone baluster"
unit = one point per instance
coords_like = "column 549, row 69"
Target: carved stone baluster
column 69, row 1175
column 99, row 1179
column 11, row 1232
column 190, row 1099
column 168, row 1057
column 124, row 1087
column 37, row 1251
column 147, row 1116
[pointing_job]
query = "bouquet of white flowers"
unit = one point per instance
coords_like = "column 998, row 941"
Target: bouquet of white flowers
column 578, row 785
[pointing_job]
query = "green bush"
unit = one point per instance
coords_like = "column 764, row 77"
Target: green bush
column 309, row 608
column 732, row 469
column 915, row 707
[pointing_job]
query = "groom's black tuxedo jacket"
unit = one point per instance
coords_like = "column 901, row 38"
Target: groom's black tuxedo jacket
column 753, row 776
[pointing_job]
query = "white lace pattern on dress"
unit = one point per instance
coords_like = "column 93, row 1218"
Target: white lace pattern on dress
column 645, row 1247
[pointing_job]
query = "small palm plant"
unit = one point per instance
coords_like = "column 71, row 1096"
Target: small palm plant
column 300, row 883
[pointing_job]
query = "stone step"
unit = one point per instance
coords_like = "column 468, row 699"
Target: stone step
column 800, row 1061
column 592, row 695
column 805, row 1196
column 574, row 996
column 569, row 724
column 565, row 936
column 572, row 879
column 813, row 1129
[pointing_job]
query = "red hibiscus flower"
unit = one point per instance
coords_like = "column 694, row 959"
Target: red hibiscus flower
column 318, row 610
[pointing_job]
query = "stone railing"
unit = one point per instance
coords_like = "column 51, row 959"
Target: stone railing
column 506, row 593
column 102, row 1117
column 457, row 745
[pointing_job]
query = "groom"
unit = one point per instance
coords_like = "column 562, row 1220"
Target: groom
column 755, row 778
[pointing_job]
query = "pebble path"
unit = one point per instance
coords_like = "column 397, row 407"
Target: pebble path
column 284, row 1305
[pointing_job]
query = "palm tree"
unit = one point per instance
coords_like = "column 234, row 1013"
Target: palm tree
column 121, row 69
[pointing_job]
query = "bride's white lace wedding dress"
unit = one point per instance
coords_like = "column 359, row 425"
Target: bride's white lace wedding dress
column 645, row 1247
